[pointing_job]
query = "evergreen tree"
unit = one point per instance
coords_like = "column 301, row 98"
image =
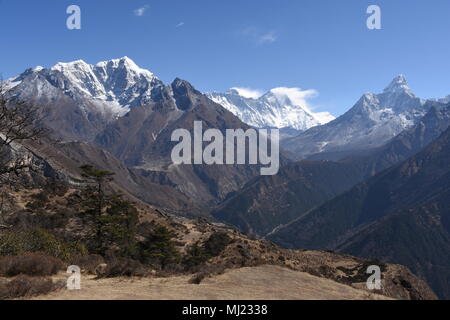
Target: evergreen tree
column 119, row 225
column 114, row 218
column 159, row 248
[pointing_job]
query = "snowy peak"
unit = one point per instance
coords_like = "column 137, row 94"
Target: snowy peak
column 397, row 99
column 444, row 100
column 125, row 64
column 109, row 87
column 370, row 123
column 246, row 93
column 124, row 61
column 399, row 85
column 74, row 66
column 278, row 108
column 122, row 73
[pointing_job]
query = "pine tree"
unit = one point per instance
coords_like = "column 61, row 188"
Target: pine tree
column 159, row 248
column 119, row 225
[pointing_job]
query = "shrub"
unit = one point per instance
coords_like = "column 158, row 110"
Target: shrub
column 32, row 264
column 216, row 244
column 197, row 255
column 198, row 278
column 170, row 271
column 194, row 257
column 25, row 286
column 89, row 263
column 57, row 188
column 207, row 272
column 18, row 243
column 159, row 248
column 124, row 268
column 39, row 201
column 41, row 218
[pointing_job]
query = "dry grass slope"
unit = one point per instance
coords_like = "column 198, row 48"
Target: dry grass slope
column 240, row 284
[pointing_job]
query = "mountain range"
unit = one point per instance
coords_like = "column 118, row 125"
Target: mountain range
column 372, row 182
column 125, row 110
column 268, row 203
column 282, row 108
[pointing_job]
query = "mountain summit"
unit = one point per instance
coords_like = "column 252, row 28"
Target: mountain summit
column 79, row 99
column 119, row 83
column 373, row 121
column 277, row 108
column 398, row 85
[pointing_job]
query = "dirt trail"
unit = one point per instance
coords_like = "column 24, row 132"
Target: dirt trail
column 260, row 283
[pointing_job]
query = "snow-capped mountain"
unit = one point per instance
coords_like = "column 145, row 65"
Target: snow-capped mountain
column 278, row 108
column 445, row 100
column 373, row 121
column 112, row 86
column 79, row 99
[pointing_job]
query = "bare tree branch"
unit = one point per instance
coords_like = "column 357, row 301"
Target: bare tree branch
column 19, row 122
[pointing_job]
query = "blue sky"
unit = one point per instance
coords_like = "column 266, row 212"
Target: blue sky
column 260, row 44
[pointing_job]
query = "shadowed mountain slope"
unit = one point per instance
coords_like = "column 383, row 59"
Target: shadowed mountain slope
column 401, row 215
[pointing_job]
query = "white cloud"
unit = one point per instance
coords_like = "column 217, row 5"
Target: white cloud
column 258, row 36
column 268, row 37
column 141, row 11
column 179, row 25
column 299, row 97
column 249, row 93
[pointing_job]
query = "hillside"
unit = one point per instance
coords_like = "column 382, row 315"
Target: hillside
column 241, row 284
column 400, row 216
column 265, row 203
column 322, row 275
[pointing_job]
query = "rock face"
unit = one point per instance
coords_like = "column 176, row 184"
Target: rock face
column 372, row 122
column 400, row 216
column 282, row 108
